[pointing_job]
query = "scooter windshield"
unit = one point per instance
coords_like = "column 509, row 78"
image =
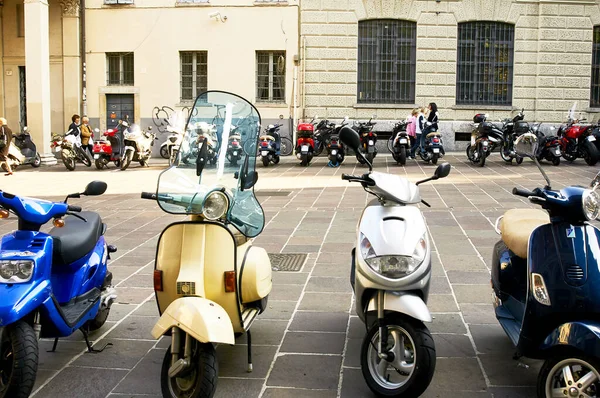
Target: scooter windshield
column 218, row 153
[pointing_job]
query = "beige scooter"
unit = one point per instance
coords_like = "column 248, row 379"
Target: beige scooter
column 211, row 283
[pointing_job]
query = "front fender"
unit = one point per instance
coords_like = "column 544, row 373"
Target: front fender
column 20, row 299
column 129, row 148
column 583, row 336
column 205, row 320
column 407, row 304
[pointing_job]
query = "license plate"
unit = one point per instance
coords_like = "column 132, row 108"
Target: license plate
column 591, row 138
column 371, row 142
column 96, row 156
column 436, row 150
column 304, row 148
column 264, row 153
column 234, row 153
column 334, row 152
column 403, row 141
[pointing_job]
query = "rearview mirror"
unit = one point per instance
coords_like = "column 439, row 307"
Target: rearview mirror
column 442, row 170
column 95, row 188
column 527, row 145
column 350, row 138
column 250, row 180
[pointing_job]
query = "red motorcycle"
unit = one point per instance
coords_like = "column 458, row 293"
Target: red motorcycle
column 108, row 149
column 577, row 141
column 305, row 146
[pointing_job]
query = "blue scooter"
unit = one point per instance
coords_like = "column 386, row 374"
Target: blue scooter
column 545, row 278
column 51, row 284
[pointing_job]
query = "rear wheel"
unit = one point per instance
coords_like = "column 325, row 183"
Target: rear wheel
column 569, row 375
column 37, row 161
column 402, row 157
column 519, row 160
column 99, row 164
column 590, row 153
column 286, row 147
column 18, row 361
column 390, row 144
column 265, row 161
column 411, row 369
column 83, row 156
column 164, row 152
column 435, row 158
column 276, row 159
column 199, row 380
column 556, row 161
column 304, row 160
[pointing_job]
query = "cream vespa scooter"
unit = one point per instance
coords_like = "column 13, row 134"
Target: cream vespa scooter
column 210, row 282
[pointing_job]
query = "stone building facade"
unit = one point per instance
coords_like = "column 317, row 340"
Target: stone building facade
column 551, row 64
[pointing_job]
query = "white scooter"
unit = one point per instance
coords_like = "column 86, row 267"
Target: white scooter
column 391, row 272
column 138, row 146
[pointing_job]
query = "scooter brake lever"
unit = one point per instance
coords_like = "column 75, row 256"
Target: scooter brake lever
column 76, row 215
column 425, row 203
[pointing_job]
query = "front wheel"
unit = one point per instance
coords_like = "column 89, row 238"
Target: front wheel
column 569, row 375
column 127, row 160
column 173, row 157
column 199, row 380
column 68, row 160
column 370, row 157
column 482, row 159
column 556, row 161
column 164, row 152
column 590, row 153
column 411, row 368
column 519, row 159
column 18, row 361
column 37, row 161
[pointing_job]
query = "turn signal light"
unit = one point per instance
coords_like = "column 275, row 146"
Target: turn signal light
column 158, row 286
column 229, row 281
column 4, row 213
column 59, row 222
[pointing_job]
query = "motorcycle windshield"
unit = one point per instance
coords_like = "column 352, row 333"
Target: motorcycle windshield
column 205, row 165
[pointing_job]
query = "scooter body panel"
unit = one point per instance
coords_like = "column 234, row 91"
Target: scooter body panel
column 583, row 336
column 404, row 303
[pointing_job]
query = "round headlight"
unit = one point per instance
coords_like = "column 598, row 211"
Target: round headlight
column 215, row 205
column 591, row 204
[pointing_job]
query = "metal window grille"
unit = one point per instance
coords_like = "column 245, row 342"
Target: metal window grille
column 386, row 61
column 194, row 74
column 485, row 63
column 120, row 69
column 109, row 2
column 595, row 90
column 270, row 76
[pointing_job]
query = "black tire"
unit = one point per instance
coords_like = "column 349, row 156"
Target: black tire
column 99, row 320
column 202, row 374
column 590, row 153
column 276, row 159
column 37, row 161
column 143, row 163
column 424, row 352
column 304, row 160
column 390, row 144
column 435, row 158
column 117, row 163
column 234, row 162
column 18, row 367
column 83, row 156
column 173, row 157
column 504, row 156
column 265, row 161
column 482, row 158
column 286, row 147
column 68, row 161
column 126, row 161
column 566, row 356
column 519, row 159
column 370, row 157
column 402, row 157
column 164, row 152
column 319, row 150
column 99, row 164
column 556, row 161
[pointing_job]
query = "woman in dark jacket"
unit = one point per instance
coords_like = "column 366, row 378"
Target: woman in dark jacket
column 74, row 127
column 6, row 136
column 431, row 124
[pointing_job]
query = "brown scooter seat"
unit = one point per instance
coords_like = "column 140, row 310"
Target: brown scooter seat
column 266, row 137
column 433, row 134
column 516, row 228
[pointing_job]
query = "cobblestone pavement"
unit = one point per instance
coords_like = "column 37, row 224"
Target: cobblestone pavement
column 307, row 342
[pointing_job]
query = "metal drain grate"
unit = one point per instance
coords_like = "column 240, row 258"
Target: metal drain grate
column 272, row 193
column 289, row 262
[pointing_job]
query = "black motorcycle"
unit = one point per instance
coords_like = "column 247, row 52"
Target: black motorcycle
column 323, row 131
column 27, row 147
column 512, row 129
column 368, row 140
column 335, row 148
column 549, row 146
column 484, row 139
column 399, row 143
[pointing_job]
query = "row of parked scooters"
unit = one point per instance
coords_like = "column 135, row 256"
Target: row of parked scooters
column 573, row 140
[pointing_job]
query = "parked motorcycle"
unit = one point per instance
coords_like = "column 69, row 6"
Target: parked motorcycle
column 52, row 284
column 549, row 146
column 71, row 151
column 434, row 148
column 211, row 283
column 512, row 129
column 234, row 148
column 27, row 148
column 399, row 143
column 544, row 278
column 109, row 147
column 390, row 276
column 268, row 144
column 323, row 131
column 368, row 140
column 577, row 140
column 200, row 136
column 305, row 145
column 485, row 137
column 138, row 146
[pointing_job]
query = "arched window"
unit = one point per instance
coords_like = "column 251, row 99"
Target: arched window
column 386, row 61
column 484, row 73
column 595, row 92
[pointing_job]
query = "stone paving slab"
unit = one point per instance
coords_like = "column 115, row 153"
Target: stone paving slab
column 307, row 343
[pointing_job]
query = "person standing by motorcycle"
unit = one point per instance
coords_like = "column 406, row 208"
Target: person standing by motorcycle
column 86, row 135
column 419, row 126
column 5, row 140
column 74, row 127
column 432, row 122
column 411, row 128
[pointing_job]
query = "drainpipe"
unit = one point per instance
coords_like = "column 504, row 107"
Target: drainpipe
column 82, row 57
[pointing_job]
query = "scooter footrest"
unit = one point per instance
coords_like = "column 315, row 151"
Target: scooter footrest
column 111, row 248
column 79, row 306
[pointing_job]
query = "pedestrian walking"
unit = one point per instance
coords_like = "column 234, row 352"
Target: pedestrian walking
column 419, row 126
column 5, row 140
column 86, row 135
column 411, row 130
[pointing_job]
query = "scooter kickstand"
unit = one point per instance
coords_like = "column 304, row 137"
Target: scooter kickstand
column 249, row 339
column 92, row 350
column 54, row 345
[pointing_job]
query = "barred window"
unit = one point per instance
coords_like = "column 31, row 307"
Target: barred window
column 595, row 92
column 194, row 74
column 270, row 76
column 120, row 69
column 386, row 61
column 485, row 63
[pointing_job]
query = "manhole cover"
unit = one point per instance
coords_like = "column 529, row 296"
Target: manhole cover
column 287, row 262
column 272, row 193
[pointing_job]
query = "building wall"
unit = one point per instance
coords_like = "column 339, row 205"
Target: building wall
column 157, row 30
column 14, row 56
column 552, row 59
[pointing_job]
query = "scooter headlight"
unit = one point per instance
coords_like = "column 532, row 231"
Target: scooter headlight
column 15, row 271
column 591, row 203
column 393, row 266
column 215, row 205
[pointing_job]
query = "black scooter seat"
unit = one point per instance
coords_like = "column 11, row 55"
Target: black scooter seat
column 77, row 238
